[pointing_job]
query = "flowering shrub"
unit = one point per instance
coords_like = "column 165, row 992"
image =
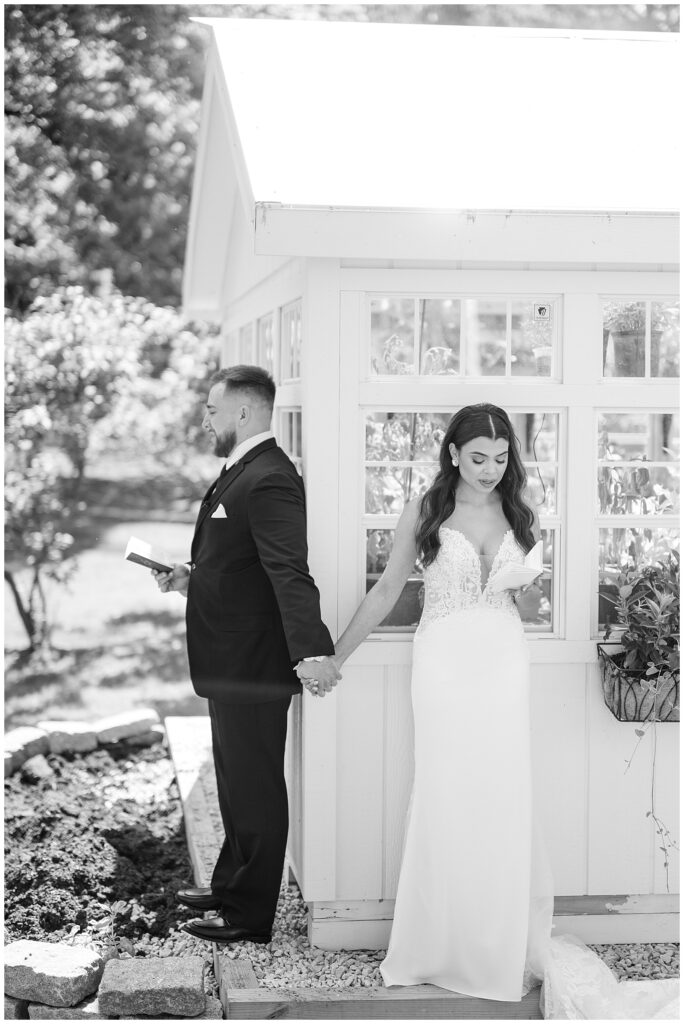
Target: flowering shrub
column 83, row 372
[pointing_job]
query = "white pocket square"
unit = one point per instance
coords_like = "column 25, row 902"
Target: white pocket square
column 219, row 513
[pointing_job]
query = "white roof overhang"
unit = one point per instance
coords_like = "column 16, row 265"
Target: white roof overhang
column 402, row 141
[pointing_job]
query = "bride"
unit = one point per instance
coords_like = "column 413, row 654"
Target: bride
column 474, row 902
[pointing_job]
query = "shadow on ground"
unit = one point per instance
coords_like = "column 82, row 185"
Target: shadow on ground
column 144, row 664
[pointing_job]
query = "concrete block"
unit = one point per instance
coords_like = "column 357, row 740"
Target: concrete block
column 89, row 1009
column 125, row 724
column 25, row 742
column 68, row 737
column 15, row 1009
column 51, row 972
column 153, row 986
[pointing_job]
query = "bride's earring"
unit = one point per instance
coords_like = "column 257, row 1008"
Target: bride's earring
column 454, row 461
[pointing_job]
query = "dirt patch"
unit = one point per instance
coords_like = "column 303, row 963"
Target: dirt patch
column 106, row 830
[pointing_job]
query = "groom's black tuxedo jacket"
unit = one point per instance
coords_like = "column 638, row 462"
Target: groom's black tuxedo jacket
column 253, row 608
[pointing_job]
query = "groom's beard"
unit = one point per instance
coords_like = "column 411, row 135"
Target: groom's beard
column 225, row 443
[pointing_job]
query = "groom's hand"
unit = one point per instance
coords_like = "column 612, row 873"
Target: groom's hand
column 176, row 580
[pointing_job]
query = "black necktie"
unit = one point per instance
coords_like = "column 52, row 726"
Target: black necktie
column 212, row 490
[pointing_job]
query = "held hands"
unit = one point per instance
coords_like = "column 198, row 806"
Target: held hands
column 318, row 677
column 176, row 580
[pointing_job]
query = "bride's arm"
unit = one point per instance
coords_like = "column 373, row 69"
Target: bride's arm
column 379, row 601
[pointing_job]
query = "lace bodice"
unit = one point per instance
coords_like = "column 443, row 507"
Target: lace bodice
column 453, row 580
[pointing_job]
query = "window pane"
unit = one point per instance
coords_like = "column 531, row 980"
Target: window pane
column 624, row 339
column 626, row 548
column 532, row 339
column 538, row 435
column 541, row 488
column 408, row 609
column 638, row 492
column 665, row 339
column 290, row 435
column 440, row 332
column 405, row 436
column 388, row 489
column 484, row 326
column 392, row 336
column 291, row 341
column 639, row 435
column 652, row 486
column 246, row 343
column 536, row 604
column 265, row 342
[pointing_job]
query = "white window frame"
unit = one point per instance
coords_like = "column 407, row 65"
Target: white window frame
column 284, row 434
column 507, row 376
column 553, row 522
column 582, row 390
column 666, row 521
column 647, row 298
column 287, row 362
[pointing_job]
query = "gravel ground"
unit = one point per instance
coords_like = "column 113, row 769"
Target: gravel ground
column 108, row 828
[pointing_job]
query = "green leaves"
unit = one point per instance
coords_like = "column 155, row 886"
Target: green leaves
column 648, row 610
column 102, row 111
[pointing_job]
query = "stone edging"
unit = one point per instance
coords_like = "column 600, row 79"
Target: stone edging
column 55, row 981
column 26, row 746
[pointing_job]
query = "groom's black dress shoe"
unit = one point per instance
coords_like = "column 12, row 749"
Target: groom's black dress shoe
column 198, row 899
column 217, row 929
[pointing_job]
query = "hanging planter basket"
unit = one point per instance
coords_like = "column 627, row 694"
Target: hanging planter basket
column 628, row 696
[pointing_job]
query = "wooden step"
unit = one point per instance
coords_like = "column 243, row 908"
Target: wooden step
column 242, row 999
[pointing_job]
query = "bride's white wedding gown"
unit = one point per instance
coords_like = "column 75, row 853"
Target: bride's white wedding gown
column 475, row 896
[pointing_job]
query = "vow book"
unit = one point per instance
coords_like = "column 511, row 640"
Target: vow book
column 513, row 575
column 142, row 553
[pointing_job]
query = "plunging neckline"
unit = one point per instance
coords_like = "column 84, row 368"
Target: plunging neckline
column 451, row 529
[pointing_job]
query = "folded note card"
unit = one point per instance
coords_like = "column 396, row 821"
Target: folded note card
column 142, row 553
column 512, row 575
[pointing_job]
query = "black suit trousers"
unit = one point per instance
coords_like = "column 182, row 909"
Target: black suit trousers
column 248, row 743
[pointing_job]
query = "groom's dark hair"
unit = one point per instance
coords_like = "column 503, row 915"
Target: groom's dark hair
column 252, row 379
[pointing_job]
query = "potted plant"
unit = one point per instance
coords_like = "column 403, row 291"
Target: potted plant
column 641, row 673
column 626, row 321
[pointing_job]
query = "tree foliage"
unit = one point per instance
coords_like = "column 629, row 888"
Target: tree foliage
column 81, row 372
column 101, row 118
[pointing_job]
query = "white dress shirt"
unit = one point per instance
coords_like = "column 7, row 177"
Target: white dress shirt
column 246, row 446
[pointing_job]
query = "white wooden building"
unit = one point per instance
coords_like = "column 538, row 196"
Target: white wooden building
column 399, row 220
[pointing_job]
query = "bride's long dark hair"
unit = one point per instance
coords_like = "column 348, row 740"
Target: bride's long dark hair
column 439, row 501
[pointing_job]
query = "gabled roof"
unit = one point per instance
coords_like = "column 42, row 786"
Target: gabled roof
column 447, row 117
column 317, row 131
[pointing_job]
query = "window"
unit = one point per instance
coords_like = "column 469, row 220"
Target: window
column 640, row 338
column 465, row 337
column 265, row 348
column 290, row 435
column 247, row 343
column 637, row 497
column 401, row 459
column 291, row 341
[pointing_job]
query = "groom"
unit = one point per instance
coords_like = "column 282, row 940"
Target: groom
column 253, row 614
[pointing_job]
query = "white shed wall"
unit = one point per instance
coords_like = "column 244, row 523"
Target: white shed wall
column 354, row 779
